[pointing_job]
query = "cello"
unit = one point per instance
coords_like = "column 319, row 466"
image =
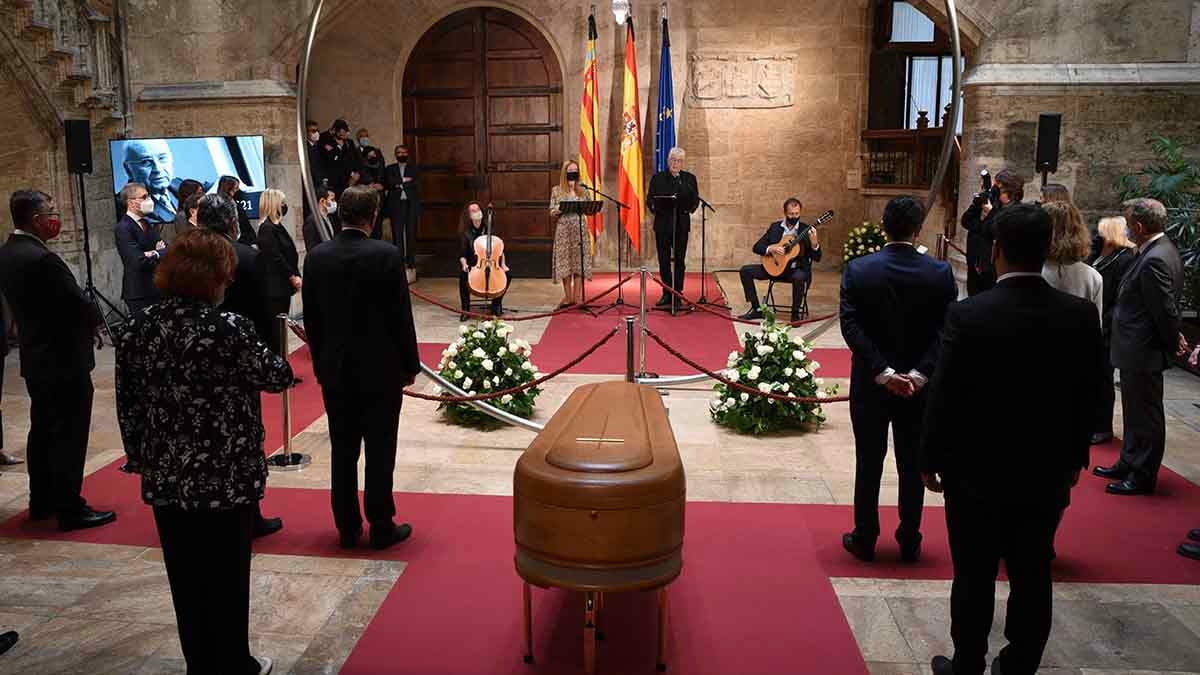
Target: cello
column 487, row 279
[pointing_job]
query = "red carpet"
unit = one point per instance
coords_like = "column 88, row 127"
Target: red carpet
column 307, row 405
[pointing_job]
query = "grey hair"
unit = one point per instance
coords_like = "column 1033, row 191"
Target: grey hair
column 130, row 189
column 676, row 153
column 1149, row 212
column 217, row 213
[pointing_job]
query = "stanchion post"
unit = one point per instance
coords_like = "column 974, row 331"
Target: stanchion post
column 287, row 460
column 629, row 376
column 645, row 277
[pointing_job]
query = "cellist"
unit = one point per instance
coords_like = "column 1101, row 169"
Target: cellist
column 471, row 227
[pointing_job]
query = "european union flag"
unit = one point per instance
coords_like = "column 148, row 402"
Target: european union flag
column 664, row 132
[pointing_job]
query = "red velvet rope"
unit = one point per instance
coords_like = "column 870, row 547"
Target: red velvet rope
column 531, row 317
column 741, row 387
column 955, row 246
column 727, row 317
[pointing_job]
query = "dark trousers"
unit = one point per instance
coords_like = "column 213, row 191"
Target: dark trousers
column 358, row 419
column 271, row 332
column 981, row 534
column 872, row 410
column 464, row 294
column 663, row 242
column 60, row 417
column 979, row 281
column 1107, row 397
column 798, row 277
column 1145, row 423
column 207, row 555
column 404, row 234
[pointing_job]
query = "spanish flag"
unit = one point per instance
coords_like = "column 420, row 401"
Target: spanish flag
column 631, row 187
column 589, row 140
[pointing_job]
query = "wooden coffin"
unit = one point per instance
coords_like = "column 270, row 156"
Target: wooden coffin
column 598, row 497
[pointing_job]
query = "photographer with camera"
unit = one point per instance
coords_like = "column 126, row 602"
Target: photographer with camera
column 978, row 221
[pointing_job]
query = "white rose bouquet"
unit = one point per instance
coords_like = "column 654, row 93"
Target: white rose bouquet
column 864, row 240
column 485, row 359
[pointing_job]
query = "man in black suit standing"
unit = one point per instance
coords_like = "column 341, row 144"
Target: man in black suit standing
column 672, row 223
column 139, row 246
column 1008, row 427
column 358, row 317
column 799, row 270
column 403, row 204
column 57, row 323
column 1145, row 332
column 979, row 222
column 893, row 306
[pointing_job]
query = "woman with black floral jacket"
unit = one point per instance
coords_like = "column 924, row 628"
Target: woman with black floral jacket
column 188, row 384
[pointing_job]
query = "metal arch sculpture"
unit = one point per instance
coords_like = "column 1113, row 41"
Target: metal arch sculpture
column 326, row 230
column 955, row 111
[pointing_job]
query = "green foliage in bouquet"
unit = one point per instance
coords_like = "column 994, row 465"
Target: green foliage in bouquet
column 864, row 240
column 771, row 361
column 484, row 359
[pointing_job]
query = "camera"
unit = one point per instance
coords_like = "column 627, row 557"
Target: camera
column 987, row 190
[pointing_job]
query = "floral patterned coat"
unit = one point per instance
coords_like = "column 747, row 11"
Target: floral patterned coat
column 188, row 383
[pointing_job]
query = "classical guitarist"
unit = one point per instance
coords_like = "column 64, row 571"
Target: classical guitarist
column 797, row 270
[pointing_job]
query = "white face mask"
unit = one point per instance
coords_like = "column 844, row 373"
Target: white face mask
column 314, row 137
column 332, row 208
column 477, row 216
column 147, row 206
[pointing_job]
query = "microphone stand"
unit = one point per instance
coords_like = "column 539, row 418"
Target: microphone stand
column 620, row 301
column 704, row 208
column 587, row 309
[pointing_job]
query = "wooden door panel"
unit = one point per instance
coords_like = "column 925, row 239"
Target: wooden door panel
column 500, row 37
column 455, row 37
column 442, row 75
column 518, row 110
column 522, row 224
column 522, row 186
column 517, row 73
column 457, row 151
column 439, row 224
column 442, row 186
column 519, row 149
column 442, row 113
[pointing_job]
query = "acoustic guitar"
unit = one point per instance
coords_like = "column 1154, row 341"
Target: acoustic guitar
column 777, row 264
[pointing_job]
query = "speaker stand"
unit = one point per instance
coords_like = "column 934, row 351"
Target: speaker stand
column 89, row 287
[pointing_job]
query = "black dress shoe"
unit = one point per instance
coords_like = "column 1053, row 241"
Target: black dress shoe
column 942, row 665
column 464, row 317
column 297, row 380
column 389, row 534
column 910, row 549
column 664, row 301
column 795, row 317
column 84, row 518
column 7, row 640
column 39, row 514
column 349, row 539
column 858, row 547
column 1117, row 471
column 1101, row 438
column 1189, row 550
column 1194, row 535
column 1130, row 487
column 755, row 314
column 265, row 526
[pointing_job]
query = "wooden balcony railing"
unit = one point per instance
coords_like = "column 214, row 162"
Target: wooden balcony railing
column 905, row 159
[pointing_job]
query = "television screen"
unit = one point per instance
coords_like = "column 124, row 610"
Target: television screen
column 161, row 164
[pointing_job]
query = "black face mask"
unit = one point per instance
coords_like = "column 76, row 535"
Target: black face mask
column 793, row 222
column 402, row 158
column 573, row 175
column 283, row 210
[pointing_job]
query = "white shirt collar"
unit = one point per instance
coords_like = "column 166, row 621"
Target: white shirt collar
column 1014, row 275
column 137, row 217
column 901, row 243
column 25, row 233
column 1151, row 240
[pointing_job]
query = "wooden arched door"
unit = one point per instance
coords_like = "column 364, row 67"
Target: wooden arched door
column 483, row 115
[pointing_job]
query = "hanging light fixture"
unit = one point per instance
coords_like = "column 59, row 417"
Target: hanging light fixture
column 621, row 11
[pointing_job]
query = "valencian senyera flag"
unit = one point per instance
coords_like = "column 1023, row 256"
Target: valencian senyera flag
column 631, row 182
column 589, row 137
column 664, row 132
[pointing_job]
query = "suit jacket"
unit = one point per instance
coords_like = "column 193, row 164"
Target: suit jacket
column 244, row 295
column 132, row 243
column 981, row 232
column 246, row 233
column 1012, row 403
column 1146, row 318
column 358, row 315
column 54, row 317
column 339, row 162
column 684, row 187
column 774, row 235
column 394, row 186
column 278, row 260
column 1112, row 269
column 892, row 309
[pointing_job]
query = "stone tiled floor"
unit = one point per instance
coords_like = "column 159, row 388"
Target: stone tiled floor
column 92, row 608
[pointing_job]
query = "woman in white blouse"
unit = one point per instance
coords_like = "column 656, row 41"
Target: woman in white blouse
column 1070, row 245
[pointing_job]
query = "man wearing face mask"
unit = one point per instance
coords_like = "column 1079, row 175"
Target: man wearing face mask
column 402, row 204
column 327, row 203
column 139, row 246
column 671, row 236
column 799, row 270
column 57, row 323
column 341, row 159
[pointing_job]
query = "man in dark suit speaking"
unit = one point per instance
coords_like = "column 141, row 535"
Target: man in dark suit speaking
column 893, row 305
column 1008, row 426
column 57, row 323
column 358, row 317
column 139, row 246
column 672, row 220
column 1145, row 332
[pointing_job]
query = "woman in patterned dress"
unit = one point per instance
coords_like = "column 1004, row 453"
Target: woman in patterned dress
column 568, row 233
column 189, row 379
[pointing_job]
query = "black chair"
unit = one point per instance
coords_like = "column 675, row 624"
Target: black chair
column 769, row 301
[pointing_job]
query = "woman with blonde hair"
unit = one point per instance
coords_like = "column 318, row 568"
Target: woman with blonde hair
column 568, row 237
column 1065, row 268
column 1116, row 255
column 278, row 265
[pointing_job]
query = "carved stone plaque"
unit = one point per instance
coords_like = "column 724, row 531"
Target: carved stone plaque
column 741, row 80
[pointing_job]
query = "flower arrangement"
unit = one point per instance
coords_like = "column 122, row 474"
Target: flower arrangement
column 864, row 240
column 483, row 359
column 772, row 361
